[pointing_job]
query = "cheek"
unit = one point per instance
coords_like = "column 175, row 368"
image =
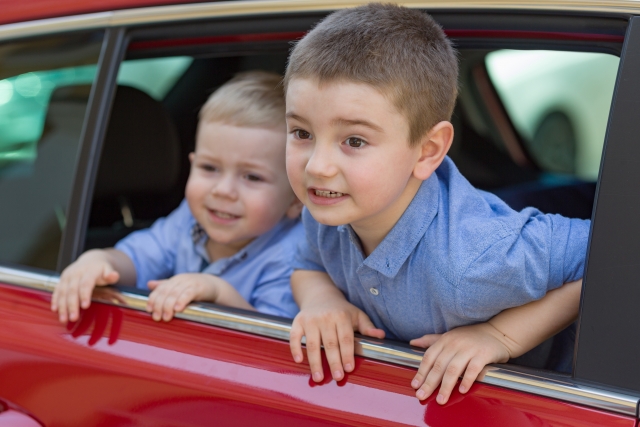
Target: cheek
column 296, row 163
column 195, row 190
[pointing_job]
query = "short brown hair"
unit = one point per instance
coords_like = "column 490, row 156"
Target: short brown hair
column 250, row 99
column 402, row 52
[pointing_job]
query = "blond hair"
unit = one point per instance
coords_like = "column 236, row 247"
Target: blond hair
column 401, row 52
column 250, row 99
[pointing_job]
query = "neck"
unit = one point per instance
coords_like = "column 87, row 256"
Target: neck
column 373, row 230
column 218, row 251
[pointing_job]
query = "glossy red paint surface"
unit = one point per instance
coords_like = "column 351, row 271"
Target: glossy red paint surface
column 18, row 11
column 117, row 367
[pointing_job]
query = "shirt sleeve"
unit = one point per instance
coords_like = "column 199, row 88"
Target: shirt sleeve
column 272, row 294
column 153, row 250
column 548, row 251
column 307, row 255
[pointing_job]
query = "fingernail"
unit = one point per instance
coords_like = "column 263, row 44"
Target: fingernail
column 297, row 358
column 440, row 399
column 415, row 384
column 421, row 394
column 337, row 375
column 317, row 377
column 348, row 367
column 462, row 389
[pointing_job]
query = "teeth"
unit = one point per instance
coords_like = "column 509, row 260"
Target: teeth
column 224, row 215
column 330, row 194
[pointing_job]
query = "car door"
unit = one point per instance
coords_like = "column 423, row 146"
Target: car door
column 215, row 365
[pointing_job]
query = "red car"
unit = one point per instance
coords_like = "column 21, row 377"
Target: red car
column 98, row 110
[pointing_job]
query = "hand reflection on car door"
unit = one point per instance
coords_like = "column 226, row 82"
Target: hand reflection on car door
column 98, row 315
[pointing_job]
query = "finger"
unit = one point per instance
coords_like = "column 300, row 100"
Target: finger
column 332, row 350
column 452, row 373
column 72, row 300
column 425, row 341
column 295, row 341
column 474, row 368
column 170, row 303
column 152, row 284
column 345, row 340
column 85, row 289
column 314, row 355
column 426, row 364
column 435, row 375
column 186, row 296
column 62, row 304
column 366, row 327
column 109, row 276
column 158, row 303
column 54, row 298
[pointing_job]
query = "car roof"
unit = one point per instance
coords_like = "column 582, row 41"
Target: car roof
column 29, row 10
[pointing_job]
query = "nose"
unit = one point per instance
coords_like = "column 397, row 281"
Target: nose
column 225, row 187
column 321, row 163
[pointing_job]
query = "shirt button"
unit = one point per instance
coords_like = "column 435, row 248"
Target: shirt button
column 374, row 291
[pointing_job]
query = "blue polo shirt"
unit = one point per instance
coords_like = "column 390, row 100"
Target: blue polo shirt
column 457, row 256
column 260, row 271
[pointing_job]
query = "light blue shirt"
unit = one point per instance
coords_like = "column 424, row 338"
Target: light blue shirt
column 260, row 271
column 457, row 256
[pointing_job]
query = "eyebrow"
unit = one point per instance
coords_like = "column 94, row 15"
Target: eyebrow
column 340, row 122
column 357, row 122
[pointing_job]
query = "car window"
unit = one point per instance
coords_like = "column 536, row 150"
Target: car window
column 155, row 76
column 44, row 92
column 559, row 103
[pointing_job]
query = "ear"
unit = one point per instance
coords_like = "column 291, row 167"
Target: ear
column 295, row 208
column 433, row 148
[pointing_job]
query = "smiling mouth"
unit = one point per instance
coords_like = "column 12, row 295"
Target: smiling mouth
column 329, row 194
column 223, row 215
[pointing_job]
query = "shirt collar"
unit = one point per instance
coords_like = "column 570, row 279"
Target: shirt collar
column 405, row 235
column 199, row 237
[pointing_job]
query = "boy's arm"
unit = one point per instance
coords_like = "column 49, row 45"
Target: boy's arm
column 509, row 334
column 326, row 318
column 97, row 267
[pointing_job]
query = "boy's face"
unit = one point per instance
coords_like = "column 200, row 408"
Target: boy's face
column 238, row 187
column 348, row 154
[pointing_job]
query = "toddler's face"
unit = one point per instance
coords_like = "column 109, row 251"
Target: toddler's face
column 238, row 187
column 348, row 156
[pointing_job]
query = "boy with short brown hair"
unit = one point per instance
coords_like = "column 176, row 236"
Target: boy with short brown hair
column 393, row 229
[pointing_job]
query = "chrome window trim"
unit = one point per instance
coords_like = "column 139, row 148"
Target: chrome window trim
column 519, row 379
column 184, row 12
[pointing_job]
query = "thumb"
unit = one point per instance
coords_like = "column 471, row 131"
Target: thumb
column 366, row 326
column 152, row 284
column 425, row 341
column 109, row 276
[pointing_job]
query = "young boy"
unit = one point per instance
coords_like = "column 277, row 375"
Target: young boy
column 230, row 241
column 393, row 229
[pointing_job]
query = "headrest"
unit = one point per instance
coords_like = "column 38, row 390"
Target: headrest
column 141, row 149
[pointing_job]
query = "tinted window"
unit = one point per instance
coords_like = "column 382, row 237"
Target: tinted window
column 44, row 91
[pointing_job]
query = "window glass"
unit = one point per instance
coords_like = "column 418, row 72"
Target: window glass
column 559, row 103
column 155, row 76
column 44, row 92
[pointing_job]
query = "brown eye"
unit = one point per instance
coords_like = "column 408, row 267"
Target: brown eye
column 302, row 134
column 354, row 142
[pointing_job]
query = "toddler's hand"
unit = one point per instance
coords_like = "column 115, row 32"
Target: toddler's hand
column 467, row 350
column 77, row 282
column 330, row 323
column 174, row 294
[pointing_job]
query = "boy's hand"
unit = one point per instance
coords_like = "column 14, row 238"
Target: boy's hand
column 467, row 349
column 77, row 281
column 330, row 322
column 174, row 294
